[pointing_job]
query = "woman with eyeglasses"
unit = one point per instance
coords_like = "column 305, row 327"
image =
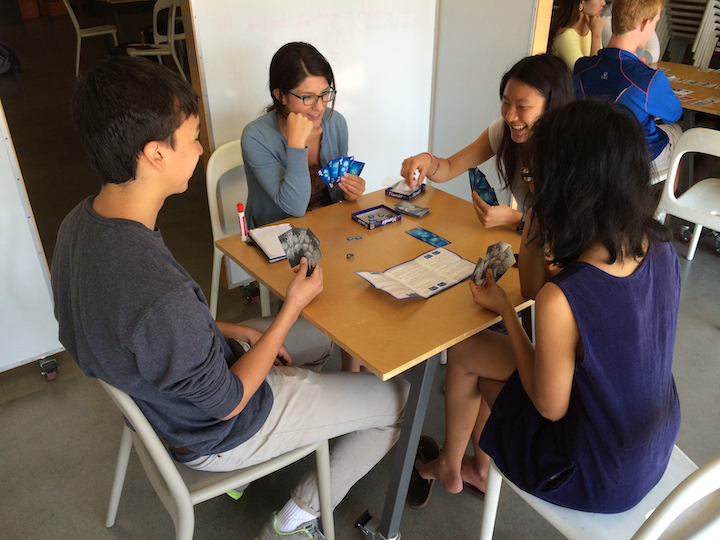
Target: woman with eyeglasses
column 283, row 149
column 533, row 86
column 587, row 416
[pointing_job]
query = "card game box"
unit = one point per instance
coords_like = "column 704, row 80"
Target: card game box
column 402, row 191
column 377, row 216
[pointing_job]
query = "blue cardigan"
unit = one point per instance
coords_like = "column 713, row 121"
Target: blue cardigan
column 622, row 78
column 278, row 177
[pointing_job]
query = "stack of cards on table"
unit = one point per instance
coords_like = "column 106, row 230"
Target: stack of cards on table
column 480, row 185
column 334, row 170
column 298, row 243
column 499, row 257
column 411, row 209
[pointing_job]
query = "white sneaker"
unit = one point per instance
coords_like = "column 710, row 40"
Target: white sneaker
column 306, row 531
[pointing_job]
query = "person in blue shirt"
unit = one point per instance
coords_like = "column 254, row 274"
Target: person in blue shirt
column 618, row 75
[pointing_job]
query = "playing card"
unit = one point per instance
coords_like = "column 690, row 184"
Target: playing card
column 334, row 166
column 480, row 185
column 429, row 237
column 703, row 103
column 344, row 165
column 498, row 257
column 356, row 168
column 298, row 243
column 411, row 209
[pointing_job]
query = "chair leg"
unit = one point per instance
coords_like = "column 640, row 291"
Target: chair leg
column 77, row 57
column 177, row 61
column 322, row 459
column 697, row 232
column 264, row 300
column 215, row 281
column 492, row 497
column 119, row 480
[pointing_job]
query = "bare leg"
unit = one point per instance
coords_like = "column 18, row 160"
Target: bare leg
column 477, row 369
column 474, row 469
column 350, row 363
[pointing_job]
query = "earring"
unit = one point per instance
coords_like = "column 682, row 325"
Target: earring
column 581, row 8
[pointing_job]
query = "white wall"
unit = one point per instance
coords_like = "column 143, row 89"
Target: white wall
column 381, row 52
column 478, row 41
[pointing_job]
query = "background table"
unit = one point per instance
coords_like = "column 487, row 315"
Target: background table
column 390, row 336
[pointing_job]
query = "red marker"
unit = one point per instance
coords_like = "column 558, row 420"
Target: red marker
column 241, row 220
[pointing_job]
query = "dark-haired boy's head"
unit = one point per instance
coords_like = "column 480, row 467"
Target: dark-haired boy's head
column 122, row 104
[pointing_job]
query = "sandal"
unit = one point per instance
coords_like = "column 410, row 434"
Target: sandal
column 419, row 489
column 472, row 490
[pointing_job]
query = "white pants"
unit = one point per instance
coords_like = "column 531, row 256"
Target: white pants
column 673, row 131
column 363, row 411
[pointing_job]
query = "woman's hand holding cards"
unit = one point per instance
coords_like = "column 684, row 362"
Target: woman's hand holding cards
column 352, row 185
column 490, row 295
column 495, row 216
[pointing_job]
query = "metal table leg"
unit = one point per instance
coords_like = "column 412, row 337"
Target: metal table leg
column 422, row 377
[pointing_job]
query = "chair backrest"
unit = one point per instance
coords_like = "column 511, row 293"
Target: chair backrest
column 161, row 5
column 701, row 140
column 156, row 460
column 73, row 18
column 701, row 485
column 225, row 159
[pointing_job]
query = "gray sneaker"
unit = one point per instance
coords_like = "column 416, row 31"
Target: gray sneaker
column 306, row 531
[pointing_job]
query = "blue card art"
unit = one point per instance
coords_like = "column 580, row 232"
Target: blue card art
column 428, row 237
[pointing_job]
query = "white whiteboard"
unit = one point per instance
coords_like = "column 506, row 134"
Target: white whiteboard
column 381, row 52
column 28, row 329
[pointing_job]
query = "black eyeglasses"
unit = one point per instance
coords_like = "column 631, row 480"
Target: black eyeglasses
column 312, row 99
column 526, row 175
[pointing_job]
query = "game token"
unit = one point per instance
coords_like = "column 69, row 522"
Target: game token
column 350, row 238
column 350, row 256
column 371, row 216
column 381, row 215
column 358, row 238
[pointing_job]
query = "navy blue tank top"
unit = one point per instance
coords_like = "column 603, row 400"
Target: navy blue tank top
column 614, row 443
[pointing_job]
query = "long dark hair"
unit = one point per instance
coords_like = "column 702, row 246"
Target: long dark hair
column 591, row 170
column 291, row 65
column 566, row 15
column 549, row 75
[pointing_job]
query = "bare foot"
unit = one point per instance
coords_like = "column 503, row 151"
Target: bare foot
column 474, row 474
column 449, row 477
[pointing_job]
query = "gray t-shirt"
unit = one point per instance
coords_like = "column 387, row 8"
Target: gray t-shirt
column 130, row 315
column 519, row 188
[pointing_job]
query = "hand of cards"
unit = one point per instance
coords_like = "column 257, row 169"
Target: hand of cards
column 480, row 185
column 334, row 170
column 299, row 243
column 499, row 257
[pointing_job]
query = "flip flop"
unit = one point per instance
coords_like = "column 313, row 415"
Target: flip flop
column 420, row 489
column 472, row 490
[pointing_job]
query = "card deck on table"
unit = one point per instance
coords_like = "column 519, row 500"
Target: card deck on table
column 411, row 209
column 429, row 237
column 480, row 185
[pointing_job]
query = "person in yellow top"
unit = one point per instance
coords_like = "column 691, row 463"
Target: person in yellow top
column 576, row 30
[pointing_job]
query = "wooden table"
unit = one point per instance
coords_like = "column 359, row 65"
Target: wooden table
column 390, row 336
column 690, row 109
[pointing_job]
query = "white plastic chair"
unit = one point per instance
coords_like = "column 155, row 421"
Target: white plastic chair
column 107, row 29
column 181, row 488
column 163, row 44
column 701, row 203
column 227, row 160
column 682, row 485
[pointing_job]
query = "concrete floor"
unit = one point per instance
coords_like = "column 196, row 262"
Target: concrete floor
column 60, row 438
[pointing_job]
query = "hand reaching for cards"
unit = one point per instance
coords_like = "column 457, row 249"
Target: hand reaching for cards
column 298, row 129
column 302, row 289
column 494, row 216
column 352, row 185
column 491, row 295
column 419, row 164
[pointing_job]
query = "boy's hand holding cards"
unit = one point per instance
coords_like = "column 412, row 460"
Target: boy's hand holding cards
column 480, row 185
column 499, row 257
column 299, row 243
column 334, row 170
